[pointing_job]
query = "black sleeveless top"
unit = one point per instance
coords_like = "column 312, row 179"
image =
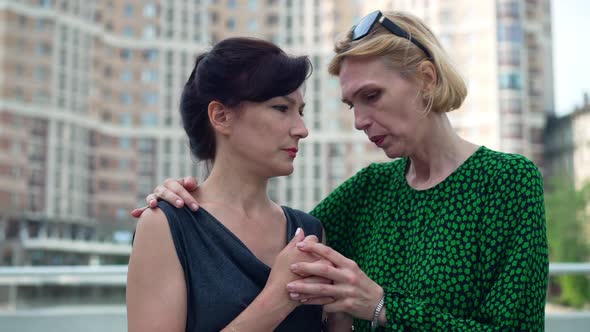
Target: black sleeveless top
column 222, row 275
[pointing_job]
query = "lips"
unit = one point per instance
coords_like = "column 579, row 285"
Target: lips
column 378, row 140
column 292, row 152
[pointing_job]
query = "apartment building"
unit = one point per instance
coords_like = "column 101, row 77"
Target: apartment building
column 89, row 121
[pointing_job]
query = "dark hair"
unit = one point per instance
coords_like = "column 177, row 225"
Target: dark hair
column 235, row 70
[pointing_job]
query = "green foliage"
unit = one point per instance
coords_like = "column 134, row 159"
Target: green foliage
column 567, row 232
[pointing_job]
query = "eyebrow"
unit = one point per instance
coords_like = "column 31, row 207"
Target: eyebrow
column 292, row 101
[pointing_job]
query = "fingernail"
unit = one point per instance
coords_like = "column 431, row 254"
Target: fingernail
column 290, row 286
column 194, row 206
column 300, row 244
column 294, row 295
column 293, row 267
column 152, row 202
column 303, row 300
column 178, row 203
column 298, row 230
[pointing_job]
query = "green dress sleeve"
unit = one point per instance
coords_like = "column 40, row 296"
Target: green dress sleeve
column 514, row 222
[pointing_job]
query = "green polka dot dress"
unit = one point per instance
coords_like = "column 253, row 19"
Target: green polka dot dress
column 469, row 254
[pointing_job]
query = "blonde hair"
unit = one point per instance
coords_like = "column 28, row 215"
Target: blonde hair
column 449, row 91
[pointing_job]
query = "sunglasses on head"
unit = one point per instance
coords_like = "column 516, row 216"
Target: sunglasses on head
column 362, row 29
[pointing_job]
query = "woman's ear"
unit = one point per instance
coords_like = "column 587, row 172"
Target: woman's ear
column 220, row 117
column 429, row 77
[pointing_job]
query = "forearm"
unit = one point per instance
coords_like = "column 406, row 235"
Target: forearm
column 265, row 313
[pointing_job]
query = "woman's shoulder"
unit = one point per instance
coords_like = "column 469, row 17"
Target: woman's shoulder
column 509, row 171
column 380, row 169
column 498, row 162
column 309, row 224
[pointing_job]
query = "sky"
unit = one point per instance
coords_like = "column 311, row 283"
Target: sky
column 571, row 53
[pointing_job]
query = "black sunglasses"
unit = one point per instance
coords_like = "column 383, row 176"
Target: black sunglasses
column 362, row 29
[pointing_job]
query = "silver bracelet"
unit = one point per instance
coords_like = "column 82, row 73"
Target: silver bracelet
column 375, row 322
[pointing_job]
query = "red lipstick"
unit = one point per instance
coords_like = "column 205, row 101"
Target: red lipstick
column 292, row 152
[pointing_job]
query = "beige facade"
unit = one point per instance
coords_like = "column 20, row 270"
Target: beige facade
column 89, row 122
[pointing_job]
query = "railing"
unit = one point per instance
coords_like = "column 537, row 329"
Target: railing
column 91, row 298
column 117, row 274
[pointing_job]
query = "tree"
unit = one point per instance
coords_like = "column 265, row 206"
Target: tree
column 567, row 221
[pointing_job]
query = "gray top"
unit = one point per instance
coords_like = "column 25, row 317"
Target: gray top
column 222, row 275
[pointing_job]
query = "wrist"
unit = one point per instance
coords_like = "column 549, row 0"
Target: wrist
column 378, row 316
column 383, row 316
column 275, row 298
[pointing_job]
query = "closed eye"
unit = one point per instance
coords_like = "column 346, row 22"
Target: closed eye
column 372, row 96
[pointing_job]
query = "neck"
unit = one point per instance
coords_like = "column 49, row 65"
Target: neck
column 229, row 184
column 439, row 153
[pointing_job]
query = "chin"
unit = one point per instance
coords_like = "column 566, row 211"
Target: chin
column 283, row 171
column 394, row 153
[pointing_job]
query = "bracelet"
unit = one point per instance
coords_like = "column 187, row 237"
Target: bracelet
column 375, row 321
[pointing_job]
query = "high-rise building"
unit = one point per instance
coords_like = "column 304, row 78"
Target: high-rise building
column 503, row 49
column 89, row 121
column 567, row 149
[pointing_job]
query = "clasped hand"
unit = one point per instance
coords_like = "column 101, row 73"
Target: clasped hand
column 352, row 291
column 281, row 273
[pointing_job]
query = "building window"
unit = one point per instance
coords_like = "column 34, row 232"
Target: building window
column 272, row 19
column 22, row 21
column 42, row 97
column 150, row 98
column 108, row 71
column 126, row 54
column 150, row 55
column 127, row 76
column 124, row 165
column 46, row 3
column 508, row 9
column 125, row 143
column 148, row 120
column 510, row 57
column 121, row 214
column 510, row 81
column 128, row 10
column 253, row 5
column 128, row 31
column 253, row 25
column 149, row 76
column 43, row 48
column 146, row 144
column 231, row 23
column 41, row 73
column 149, row 32
column 41, row 24
column 125, row 119
column 510, row 33
column 126, row 98
column 149, row 10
